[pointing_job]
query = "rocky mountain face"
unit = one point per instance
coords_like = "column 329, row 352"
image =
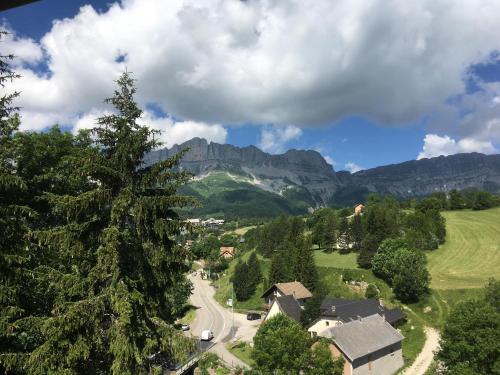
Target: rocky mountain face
column 418, row 178
column 308, row 169
column 274, row 173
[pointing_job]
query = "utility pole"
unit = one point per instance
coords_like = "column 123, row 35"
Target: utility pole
column 232, row 307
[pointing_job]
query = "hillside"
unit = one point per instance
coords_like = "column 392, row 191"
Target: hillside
column 471, row 253
column 224, row 195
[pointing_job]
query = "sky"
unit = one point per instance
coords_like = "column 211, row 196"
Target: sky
column 363, row 82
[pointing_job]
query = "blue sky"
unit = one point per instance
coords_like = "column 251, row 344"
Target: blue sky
column 271, row 76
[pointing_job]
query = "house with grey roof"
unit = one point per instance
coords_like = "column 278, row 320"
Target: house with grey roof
column 336, row 311
column 286, row 305
column 369, row 345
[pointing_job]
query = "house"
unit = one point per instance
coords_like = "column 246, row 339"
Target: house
column 286, row 305
column 227, row 251
column 358, row 209
column 212, row 223
column 337, row 311
column 194, row 221
column 369, row 345
column 294, row 289
column 189, row 244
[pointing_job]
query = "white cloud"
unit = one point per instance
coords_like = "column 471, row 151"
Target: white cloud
column 435, row 145
column 274, row 138
column 172, row 132
column 265, row 62
column 329, row 160
column 353, row 167
column 26, row 50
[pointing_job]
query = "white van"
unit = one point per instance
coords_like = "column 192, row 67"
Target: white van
column 207, row 335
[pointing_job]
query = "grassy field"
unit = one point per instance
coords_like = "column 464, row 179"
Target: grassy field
column 471, row 253
column 241, row 231
column 336, row 259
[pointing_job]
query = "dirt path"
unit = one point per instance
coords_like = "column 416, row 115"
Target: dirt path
column 425, row 357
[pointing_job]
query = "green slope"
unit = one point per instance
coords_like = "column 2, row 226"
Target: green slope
column 221, row 195
column 471, row 253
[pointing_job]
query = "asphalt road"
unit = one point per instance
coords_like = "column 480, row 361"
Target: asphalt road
column 210, row 315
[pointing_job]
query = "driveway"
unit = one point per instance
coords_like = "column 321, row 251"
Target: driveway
column 211, row 315
column 425, row 357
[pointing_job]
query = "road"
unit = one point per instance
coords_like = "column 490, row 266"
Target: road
column 425, row 357
column 210, row 315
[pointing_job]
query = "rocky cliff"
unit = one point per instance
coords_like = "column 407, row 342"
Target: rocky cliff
column 274, row 173
column 308, row 169
column 425, row 176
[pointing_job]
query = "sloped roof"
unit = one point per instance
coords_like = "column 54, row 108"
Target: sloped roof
column 294, row 288
column 227, row 250
column 394, row 315
column 290, row 307
column 347, row 309
column 359, row 338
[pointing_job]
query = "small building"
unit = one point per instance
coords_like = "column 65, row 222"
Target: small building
column 337, row 311
column 194, row 221
column 189, row 244
column 227, row 251
column 369, row 346
column 294, row 289
column 358, row 209
column 212, row 223
column 286, row 305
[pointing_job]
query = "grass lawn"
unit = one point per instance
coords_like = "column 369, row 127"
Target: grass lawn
column 242, row 350
column 471, row 253
column 332, row 279
column 224, row 287
column 241, row 231
column 335, row 259
column 414, row 341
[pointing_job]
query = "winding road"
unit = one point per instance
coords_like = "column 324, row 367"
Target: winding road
column 210, row 315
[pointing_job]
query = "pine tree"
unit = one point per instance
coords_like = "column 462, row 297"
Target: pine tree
column 356, row 230
column 13, row 226
column 254, row 270
column 242, row 282
column 304, row 268
column 121, row 279
column 280, row 271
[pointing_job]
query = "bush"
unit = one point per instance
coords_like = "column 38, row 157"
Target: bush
column 372, row 291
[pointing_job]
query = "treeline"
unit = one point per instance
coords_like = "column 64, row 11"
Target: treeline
column 284, row 241
column 91, row 280
column 458, row 200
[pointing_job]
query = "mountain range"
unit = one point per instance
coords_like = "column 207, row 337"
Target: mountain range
column 231, row 180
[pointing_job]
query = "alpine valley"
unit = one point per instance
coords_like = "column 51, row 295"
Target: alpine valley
column 247, row 182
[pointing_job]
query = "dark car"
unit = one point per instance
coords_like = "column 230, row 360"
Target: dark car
column 253, row 316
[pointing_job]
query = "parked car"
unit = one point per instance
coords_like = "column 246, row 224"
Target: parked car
column 207, row 335
column 185, row 327
column 253, row 316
